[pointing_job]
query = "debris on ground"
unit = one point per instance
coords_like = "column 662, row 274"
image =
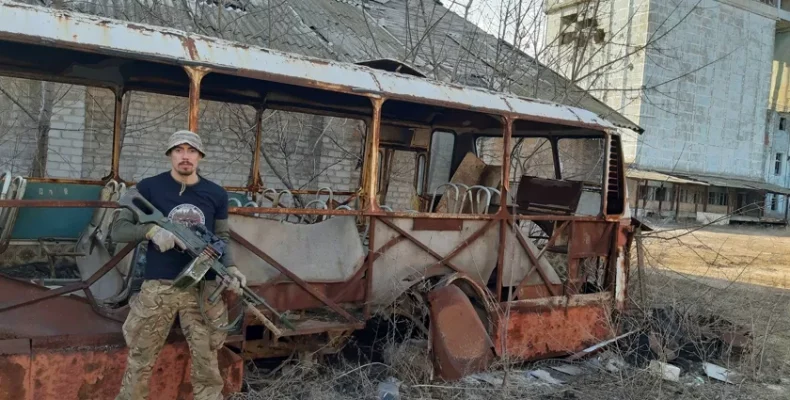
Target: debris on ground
column 664, row 371
column 678, row 351
column 608, row 361
column 721, row 374
column 545, row 376
column 599, row 346
column 667, row 334
column 568, row 369
column 389, row 389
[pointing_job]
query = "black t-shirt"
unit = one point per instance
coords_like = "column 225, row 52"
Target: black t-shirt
column 203, row 202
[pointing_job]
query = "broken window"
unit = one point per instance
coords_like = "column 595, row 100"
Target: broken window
column 580, row 31
column 420, row 175
column 529, row 156
column 778, row 164
column 442, row 145
column 582, row 160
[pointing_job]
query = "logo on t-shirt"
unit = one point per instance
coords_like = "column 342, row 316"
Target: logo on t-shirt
column 187, row 214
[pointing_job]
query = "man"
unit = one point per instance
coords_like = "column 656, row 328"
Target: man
column 187, row 198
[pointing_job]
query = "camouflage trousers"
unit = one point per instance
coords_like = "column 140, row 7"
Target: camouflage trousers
column 150, row 319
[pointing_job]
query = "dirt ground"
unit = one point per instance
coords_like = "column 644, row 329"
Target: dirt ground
column 760, row 256
column 741, row 273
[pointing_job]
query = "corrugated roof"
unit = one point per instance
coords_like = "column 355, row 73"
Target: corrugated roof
column 706, row 180
column 425, row 34
column 100, row 35
column 634, row 173
column 470, row 55
column 736, row 183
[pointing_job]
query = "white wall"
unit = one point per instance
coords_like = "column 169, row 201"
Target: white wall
column 712, row 120
column 699, row 87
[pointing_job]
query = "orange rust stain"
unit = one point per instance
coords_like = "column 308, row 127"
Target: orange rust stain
column 541, row 333
column 13, row 377
column 96, row 374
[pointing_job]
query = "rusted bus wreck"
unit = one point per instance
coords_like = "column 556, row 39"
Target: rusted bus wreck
column 518, row 246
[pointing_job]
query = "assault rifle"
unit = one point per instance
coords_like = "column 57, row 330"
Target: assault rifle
column 205, row 248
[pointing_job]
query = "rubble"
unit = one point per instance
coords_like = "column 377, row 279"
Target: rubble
column 665, row 371
column 666, row 334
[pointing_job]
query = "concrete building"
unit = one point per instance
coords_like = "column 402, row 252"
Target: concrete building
column 707, row 80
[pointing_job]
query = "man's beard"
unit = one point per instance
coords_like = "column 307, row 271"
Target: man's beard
column 188, row 172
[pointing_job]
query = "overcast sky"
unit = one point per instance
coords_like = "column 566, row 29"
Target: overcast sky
column 487, row 14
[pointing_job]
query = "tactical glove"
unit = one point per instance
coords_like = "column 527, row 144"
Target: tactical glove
column 236, row 280
column 163, row 239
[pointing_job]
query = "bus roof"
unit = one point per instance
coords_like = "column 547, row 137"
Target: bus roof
column 51, row 44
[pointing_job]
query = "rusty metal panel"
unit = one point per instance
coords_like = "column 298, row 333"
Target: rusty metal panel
column 544, row 328
column 591, row 239
column 15, row 377
column 14, row 346
column 424, row 224
column 552, row 196
column 459, row 339
column 96, row 373
column 62, row 315
column 290, row 296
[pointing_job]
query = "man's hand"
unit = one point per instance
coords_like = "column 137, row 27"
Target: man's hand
column 163, row 239
column 235, row 280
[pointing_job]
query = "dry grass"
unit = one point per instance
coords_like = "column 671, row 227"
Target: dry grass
column 734, row 254
column 737, row 274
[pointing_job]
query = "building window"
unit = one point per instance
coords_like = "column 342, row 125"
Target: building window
column 660, row 194
column 778, row 164
column 580, row 31
column 717, row 198
column 774, row 204
column 782, row 123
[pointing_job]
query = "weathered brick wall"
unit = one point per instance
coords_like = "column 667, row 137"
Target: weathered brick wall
column 20, row 107
column 299, row 150
column 401, row 191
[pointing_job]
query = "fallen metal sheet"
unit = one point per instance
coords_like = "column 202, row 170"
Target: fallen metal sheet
column 555, row 326
column 459, row 340
column 48, row 372
column 721, row 374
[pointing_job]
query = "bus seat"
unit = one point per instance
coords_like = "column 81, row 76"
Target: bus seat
column 92, row 244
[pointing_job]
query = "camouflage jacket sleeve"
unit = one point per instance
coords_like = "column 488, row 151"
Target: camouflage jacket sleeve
column 125, row 229
column 222, row 230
